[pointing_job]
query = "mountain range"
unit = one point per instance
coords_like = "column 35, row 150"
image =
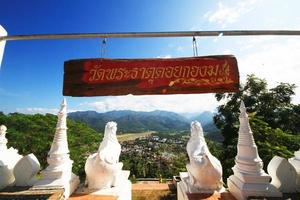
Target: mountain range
column 133, row 121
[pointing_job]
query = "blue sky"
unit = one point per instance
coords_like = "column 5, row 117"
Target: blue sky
column 31, row 73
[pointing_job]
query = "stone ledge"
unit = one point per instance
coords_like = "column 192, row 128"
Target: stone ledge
column 121, row 192
column 182, row 194
column 214, row 196
column 91, row 197
column 27, row 193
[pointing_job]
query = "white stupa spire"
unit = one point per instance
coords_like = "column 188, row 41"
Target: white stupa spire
column 297, row 154
column 59, row 148
column 247, row 159
column 245, row 132
column 59, row 170
column 249, row 178
column 295, row 162
column 60, row 142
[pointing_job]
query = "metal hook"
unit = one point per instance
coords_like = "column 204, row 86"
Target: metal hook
column 195, row 48
column 103, row 47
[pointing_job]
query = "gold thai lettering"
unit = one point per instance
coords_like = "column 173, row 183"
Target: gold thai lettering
column 110, row 74
column 149, row 73
column 100, row 74
column 186, row 71
column 142, row 70
column 177, row 71
column 213, row 70
column 127, row 74
column 202, row 71
column 226, row 79
column 93, row 73
column 134, row 73
column 96, row 73
column 226, row 68
column 120, row 73
column 159, row 72
column 194, row 71
column 169, row 72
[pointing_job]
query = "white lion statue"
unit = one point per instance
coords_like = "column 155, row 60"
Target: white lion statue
column 103, row 168
column 3, row 140
column 3, row 130
column 8, row 159
column 204, row 170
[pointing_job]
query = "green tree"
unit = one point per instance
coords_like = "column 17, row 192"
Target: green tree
column 273, row 118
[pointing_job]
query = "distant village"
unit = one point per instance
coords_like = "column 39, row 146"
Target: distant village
column 154, row 146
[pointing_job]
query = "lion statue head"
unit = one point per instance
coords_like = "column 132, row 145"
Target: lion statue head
column 110, row 148
column 196, row 129
column 110, row 132
column 3, row 131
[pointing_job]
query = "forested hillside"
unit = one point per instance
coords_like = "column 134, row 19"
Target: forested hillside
column 135, row 122
column 34, row 134
column 132, row 121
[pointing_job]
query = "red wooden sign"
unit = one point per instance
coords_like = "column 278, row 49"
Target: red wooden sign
column 99, row 77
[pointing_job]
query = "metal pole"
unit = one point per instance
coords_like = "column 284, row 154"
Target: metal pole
column 153, row 34
column 3, row 33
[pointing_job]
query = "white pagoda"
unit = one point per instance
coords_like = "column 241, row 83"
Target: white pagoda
column 8, row 159
column 295, row 162
column 249, row 178
column 59, row 171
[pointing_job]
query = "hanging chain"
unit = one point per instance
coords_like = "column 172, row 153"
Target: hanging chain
column 103, row 47
column 195, row 48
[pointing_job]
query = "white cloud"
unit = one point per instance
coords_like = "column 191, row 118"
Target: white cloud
column 188, row 103
column 255, row 42
column 164, row 56
column 196, row 28
column 37, row 110
column 275, row 61
column 227, row 51
column 225, row 15
column 32, row 111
